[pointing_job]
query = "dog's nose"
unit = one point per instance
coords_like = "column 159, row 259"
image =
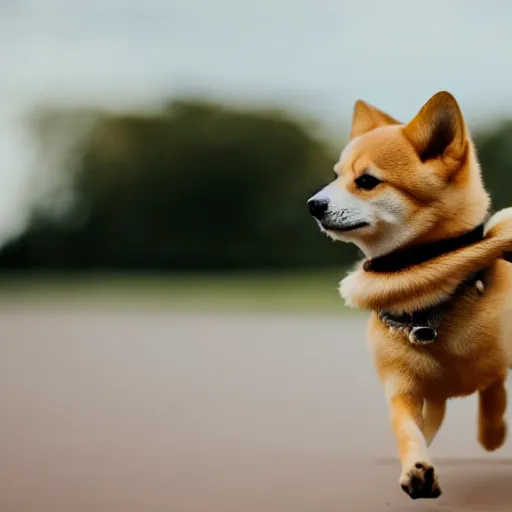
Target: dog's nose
column 318, row 207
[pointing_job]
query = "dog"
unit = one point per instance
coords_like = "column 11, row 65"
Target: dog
column 435, row 275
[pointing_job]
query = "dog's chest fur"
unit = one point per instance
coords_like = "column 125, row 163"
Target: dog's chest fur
column 472, row 347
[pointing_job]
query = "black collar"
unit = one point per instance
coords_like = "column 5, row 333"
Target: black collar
column 405, row 258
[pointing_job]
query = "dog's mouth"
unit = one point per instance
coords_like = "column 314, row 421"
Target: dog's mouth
column 331, row 226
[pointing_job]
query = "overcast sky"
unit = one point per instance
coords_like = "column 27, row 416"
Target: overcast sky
column 314, row 55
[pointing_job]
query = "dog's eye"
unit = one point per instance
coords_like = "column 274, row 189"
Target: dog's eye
column 367, row 181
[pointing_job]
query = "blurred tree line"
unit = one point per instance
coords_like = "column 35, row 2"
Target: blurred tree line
column 195, row 186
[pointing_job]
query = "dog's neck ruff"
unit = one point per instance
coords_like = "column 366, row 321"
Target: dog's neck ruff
column 423, row 286
column 420, row 327
column 405, row 258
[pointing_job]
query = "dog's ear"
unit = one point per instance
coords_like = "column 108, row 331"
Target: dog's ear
column 366, row 117
column 438, row 130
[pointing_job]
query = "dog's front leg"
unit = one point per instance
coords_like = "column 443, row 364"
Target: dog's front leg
column 418, row 478
column 433, row 415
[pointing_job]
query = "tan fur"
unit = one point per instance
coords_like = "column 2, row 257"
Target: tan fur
column 429, row 165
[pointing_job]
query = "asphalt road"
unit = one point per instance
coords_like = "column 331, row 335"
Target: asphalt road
column 124, row 411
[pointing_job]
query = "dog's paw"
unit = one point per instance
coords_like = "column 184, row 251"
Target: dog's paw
column 492, row 435
column 420, row 481
column 499, row 228
column 348, row 288
column 500, row 219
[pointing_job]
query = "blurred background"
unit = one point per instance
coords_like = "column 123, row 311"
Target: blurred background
column 170, row 314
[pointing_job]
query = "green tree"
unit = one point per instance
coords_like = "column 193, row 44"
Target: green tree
column 494, row 148
column 196, row 186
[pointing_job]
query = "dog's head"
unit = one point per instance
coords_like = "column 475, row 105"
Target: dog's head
column 403, row 184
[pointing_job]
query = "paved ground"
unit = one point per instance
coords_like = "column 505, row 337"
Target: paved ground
column 154, row 412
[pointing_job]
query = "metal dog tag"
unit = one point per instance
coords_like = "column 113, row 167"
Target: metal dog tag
column 422, row 335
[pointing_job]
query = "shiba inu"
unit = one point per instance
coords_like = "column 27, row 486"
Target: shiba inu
column 435, row 275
